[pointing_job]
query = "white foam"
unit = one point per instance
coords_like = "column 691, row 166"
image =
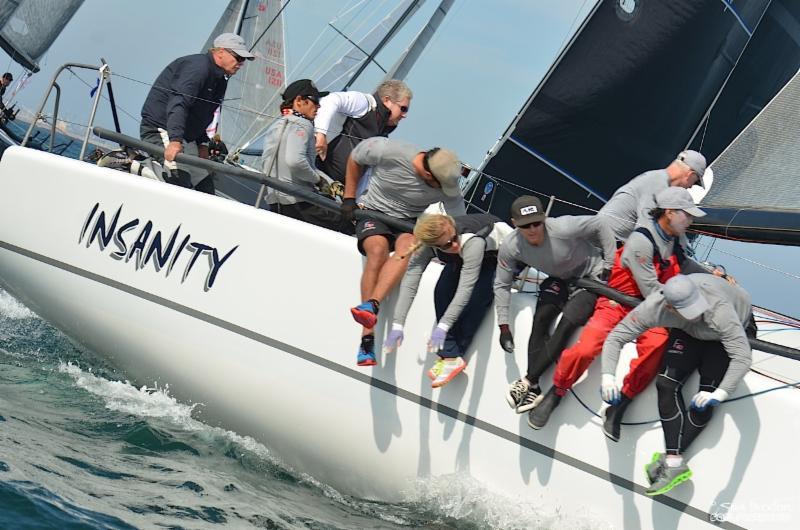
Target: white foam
column 12, row 309
column 462, row 497
column 156, row 402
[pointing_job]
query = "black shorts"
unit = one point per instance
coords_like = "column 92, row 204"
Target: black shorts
column 685, row 353
column 367, row 227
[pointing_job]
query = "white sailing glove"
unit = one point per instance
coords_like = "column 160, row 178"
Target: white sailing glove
column 609, row 390
column 704, row 399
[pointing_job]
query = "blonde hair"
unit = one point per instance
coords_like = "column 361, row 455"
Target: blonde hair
column 428, row 229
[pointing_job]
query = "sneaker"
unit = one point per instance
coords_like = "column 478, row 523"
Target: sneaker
column 436, row 369
column 522, row 397
column 531, row 400
column 366, row 357
column 450, row 368
column 537, row 417
column 653, row 468
column 365, row 314
column 612, row 418
column 668, row 478
column 517, row 392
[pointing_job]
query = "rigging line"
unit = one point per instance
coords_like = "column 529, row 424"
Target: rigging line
column 104, row 96
column 759, row 264
column 729, row 5
column 271, row 22
column 570, row 31
column 359, row 48
column 731, row 400
column 555, row 167
column 363, row 22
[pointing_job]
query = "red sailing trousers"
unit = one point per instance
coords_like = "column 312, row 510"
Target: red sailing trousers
column 576, row 359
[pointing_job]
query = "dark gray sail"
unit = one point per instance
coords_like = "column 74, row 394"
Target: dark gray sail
column 628, row 93
column 29, row 27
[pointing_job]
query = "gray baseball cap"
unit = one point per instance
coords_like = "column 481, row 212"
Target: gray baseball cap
column 445, row 167
column 696, row 162
column 234, row 43
column 681, row 293
column 677, row 198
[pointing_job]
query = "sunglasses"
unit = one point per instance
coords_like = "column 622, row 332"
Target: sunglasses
column 403, row 108
column 447, row 244
column 312, row 99
column 236, row 56
column 535, row 224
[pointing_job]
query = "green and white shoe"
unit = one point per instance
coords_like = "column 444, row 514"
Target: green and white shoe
column 653, row 468
column 450, row 368
column 668, row 478
column 436, row 369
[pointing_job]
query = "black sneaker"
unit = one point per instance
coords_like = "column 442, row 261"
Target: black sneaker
column 531, row 399
column 612, row 418
column 537, row 418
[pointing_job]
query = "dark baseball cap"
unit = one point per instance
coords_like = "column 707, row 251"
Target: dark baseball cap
column 302, row 87
column 527, row 209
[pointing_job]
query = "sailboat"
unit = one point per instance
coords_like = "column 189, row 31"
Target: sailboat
column 245, row 311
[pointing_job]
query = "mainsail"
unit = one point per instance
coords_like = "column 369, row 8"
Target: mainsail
column 628, row 92
column 29, row 27
column 252, row 100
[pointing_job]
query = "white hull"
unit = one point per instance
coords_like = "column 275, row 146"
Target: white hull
column 269, row 351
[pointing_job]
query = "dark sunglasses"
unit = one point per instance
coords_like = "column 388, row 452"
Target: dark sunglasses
column 239, row 58
column 312, row 99
column 535, row 224
column 447, row 244
column 403, row 108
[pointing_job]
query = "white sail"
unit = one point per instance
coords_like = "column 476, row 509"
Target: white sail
column 252, row 100
column 409, row 57
column 339, row 74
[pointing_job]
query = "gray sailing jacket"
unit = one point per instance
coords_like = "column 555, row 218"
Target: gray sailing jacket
column 724, row 321
column 292, row 138
column 574, row 246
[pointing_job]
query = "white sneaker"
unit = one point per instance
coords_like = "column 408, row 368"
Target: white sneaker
column 517, row 392
column 450, row 368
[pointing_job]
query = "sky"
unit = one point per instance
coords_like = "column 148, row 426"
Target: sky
column 473, row 78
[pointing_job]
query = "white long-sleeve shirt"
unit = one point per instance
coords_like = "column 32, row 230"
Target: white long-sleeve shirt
column 337, row 107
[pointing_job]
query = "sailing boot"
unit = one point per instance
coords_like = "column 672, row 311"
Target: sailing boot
column 366, row 313
column 537, row 417
column 612, row 418
column 669, row 477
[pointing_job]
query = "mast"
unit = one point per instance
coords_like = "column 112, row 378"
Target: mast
column 409, row 57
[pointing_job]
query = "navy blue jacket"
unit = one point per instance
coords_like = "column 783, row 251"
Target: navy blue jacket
column 184, row 97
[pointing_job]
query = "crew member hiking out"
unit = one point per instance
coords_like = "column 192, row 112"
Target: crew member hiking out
column 564, row 248
column 631, row 202
column 707, row 316
column 405, row 181
column 467, row 245
column 652, row 255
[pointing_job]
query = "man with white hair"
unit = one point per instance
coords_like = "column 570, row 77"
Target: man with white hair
column 346, row 118
column 630, row 203
column 182, row 101
column 707, row 316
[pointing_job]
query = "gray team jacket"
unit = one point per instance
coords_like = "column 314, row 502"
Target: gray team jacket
column 574, row 246
column 293, row 138
column 724, row 321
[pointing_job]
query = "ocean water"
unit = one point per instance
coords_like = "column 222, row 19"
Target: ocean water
column 80, row 447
